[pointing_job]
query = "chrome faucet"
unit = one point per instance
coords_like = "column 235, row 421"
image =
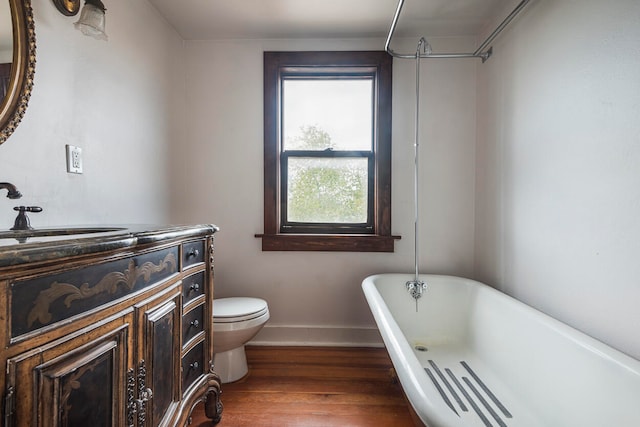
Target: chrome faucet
column 12, row 191
column 416, row 288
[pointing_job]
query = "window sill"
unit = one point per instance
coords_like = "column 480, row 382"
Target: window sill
column 327, row 242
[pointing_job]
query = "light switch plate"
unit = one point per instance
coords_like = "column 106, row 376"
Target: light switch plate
column 74, row 159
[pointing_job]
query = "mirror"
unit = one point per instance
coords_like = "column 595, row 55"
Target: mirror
column 17, row 62
column 6, row 48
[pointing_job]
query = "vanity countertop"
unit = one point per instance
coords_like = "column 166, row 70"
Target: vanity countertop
column 49, row 247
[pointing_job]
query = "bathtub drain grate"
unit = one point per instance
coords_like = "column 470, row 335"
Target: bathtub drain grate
column 479, row 390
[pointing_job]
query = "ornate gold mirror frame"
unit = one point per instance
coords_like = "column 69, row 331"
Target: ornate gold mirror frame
column 14, row 104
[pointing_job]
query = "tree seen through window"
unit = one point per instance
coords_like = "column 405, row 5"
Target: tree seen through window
column 325, row 190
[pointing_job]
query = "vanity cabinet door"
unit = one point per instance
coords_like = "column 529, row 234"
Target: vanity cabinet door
column 159, row 359
column 80, row 380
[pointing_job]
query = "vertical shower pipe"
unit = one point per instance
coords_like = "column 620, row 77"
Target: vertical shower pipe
column 416, row 157
column 416, row 287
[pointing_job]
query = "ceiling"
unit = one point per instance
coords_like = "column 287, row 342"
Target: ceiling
column 225, row 19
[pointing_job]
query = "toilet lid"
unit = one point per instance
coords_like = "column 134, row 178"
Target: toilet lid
column 237, row 308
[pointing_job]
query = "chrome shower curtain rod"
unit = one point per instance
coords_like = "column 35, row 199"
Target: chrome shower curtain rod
column 479, row 52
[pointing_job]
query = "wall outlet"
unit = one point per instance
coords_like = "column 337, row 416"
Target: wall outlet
column 74, row 159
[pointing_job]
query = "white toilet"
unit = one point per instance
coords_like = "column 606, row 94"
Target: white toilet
column 235, row 322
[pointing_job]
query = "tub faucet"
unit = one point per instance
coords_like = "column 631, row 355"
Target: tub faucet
column 416, row 288
column 12, row 191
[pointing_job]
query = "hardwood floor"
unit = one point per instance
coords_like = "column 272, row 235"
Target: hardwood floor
column 313, row 387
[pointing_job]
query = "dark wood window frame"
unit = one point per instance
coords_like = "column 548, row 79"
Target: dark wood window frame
column 377, row 239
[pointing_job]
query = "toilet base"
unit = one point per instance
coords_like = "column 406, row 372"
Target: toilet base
column 231, row 365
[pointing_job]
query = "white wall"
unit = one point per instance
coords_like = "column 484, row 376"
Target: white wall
column 313, row 296
column 117, row 100
column 558, row 168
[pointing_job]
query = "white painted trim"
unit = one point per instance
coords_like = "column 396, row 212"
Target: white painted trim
column 325, row 336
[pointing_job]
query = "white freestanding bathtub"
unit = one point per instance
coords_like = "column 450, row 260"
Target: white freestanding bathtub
column 473, row 356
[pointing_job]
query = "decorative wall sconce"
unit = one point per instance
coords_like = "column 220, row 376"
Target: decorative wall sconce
column 91, row 21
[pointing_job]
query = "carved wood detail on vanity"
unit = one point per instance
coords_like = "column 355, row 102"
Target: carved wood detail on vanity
column 108, row 284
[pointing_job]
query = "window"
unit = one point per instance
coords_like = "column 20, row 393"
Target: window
column 327, row 151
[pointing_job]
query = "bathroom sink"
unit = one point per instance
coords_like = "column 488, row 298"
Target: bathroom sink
column 22, row 235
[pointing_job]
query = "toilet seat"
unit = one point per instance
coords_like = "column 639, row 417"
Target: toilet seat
column 238, row 309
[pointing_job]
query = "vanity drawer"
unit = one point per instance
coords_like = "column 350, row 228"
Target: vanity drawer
column 192, row 287
column 192, row 366
column 192, row 253
column 192, row 323
column 43, row 301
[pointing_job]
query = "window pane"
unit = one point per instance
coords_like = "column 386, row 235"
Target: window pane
column 320, row 114
column 327, row 190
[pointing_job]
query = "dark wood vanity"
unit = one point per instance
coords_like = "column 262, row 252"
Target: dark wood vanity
column 108, row 329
